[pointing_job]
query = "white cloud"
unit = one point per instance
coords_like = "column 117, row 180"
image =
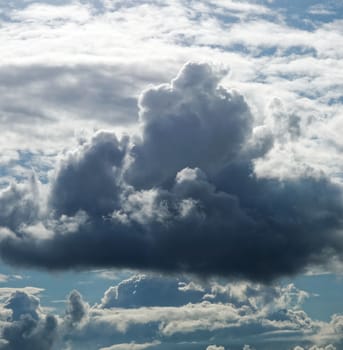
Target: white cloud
column 3, row 278
column 5, row 292
column 215, row 347
column 131, row 346
column 320, row 9
column 76, row 67
column 49, row 13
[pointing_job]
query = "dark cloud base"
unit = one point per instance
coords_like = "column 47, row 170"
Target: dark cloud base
column 181, row 198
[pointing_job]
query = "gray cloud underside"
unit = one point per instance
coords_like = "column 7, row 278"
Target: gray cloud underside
column 181, row 197
column 48, row 93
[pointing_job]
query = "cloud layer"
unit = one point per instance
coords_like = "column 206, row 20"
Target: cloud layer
column 138, row 313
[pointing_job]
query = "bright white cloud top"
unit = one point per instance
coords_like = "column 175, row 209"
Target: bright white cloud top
column 174, row 136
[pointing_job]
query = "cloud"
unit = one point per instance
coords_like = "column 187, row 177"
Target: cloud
column 27, row 328
column 46, row 105
column 183, row 196
column 76, row 310
column 140, row 290
column 315, row 347
column 64, row 79
column 19, row 202
column 188, row 123
column 86, row 180
column 260, row 204
column 321, row 10
column 131, row 346
column 231, row 314
column 50, row 13
column 3, row 278
column 6, row 292
column 214, row 347
column 157, row 290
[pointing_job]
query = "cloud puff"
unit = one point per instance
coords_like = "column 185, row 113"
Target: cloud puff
column 87, row 179
column 27, row 328
column 182, row 196
column 189, row 123
column 76, row 310
column 19, row 204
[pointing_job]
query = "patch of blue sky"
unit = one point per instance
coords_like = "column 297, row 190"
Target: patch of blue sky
column 57, row 285
column 20, row 169
column 326, row 292
column 303, row 14
column 335, row 100
column 35, row 162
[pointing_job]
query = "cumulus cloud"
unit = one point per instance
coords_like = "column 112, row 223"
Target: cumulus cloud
column 27, row 328
column 156, row 290
column 140, row 290
column 76, row 310
column 189, row 123
column 214, row 184
column 19, row 204
column 227, row 314
column 87, row 179
column 181, row 196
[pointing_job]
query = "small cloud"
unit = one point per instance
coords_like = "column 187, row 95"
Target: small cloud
column 320, row 10
column 3, row 278
column 131, row 346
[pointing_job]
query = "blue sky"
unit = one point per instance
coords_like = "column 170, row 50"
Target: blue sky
column 171, row 175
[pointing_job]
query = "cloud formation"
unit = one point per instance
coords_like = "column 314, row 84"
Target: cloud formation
column 183, row 196
column 27, row 328
column 230, row 315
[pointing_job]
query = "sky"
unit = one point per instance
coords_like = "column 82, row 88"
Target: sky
column 171, row 175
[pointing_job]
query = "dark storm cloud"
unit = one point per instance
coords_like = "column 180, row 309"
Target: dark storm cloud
column 183, row 197
column 87, row 180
